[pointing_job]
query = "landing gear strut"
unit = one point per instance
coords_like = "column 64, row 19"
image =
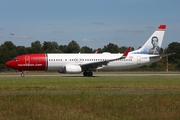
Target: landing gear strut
column 88, row 73
column 22, row 74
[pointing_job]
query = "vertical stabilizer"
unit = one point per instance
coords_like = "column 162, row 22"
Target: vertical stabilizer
column 153, row 44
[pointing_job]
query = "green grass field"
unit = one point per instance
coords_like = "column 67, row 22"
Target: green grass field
column 90, row 98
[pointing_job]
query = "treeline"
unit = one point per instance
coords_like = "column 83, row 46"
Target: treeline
column 8, row 51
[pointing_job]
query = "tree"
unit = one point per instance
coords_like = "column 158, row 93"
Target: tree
column 63, row 48
column 2, row 67
column 46, row 46
column 86, row 49
column 122, row 49
column 51, row 47
column 55, row 47
column 73, row 47
column 4, row 54
column 9, row 45
column 7, row 52
column 21, row 50
column 112, row 48
column 36, row 47
column 177, row 66
column 173, row 47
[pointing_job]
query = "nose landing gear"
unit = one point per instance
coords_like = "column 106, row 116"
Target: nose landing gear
column 22, row 74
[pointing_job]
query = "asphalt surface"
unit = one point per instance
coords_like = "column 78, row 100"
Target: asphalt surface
column 80, row 75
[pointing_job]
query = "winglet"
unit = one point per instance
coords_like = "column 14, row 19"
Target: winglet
column 123, row 56
column 127, row 51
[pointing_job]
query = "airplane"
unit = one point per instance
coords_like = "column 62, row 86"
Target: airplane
column 12, row 33
column 88, row 62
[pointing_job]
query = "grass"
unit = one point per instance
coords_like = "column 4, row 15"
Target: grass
column 90, row 107
column 51, row 98
column 92, row 83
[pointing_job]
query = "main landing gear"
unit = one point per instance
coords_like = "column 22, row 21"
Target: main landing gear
column 87, row 73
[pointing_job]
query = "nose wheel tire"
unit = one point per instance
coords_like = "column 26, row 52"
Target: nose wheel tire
column 22, row 74
column 88, row 73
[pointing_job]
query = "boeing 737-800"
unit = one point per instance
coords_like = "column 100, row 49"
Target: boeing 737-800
column 86, row 62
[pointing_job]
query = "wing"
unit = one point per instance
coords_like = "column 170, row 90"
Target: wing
column 94, row 65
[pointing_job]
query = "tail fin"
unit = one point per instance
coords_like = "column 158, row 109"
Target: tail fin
column 153, row 44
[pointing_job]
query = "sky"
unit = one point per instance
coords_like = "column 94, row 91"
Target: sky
column 92, row 23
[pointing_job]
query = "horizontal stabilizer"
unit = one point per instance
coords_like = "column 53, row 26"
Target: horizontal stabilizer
column 164, row 55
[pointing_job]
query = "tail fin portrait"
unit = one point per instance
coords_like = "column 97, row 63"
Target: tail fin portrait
column 153, row 44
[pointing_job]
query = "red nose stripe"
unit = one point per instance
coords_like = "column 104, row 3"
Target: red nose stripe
column 28, row 62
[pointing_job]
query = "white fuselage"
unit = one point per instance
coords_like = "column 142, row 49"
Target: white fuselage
column 58, row 61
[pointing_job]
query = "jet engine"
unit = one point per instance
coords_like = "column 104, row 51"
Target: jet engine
column 71, row 69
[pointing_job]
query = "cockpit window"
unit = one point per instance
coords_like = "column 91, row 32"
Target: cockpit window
column 16, row 59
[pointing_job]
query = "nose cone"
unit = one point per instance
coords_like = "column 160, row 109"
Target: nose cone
column 9, row 64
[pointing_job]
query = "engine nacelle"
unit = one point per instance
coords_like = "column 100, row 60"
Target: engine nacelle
column 71, row 69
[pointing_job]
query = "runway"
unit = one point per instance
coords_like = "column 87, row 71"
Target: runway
column 80, row 75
